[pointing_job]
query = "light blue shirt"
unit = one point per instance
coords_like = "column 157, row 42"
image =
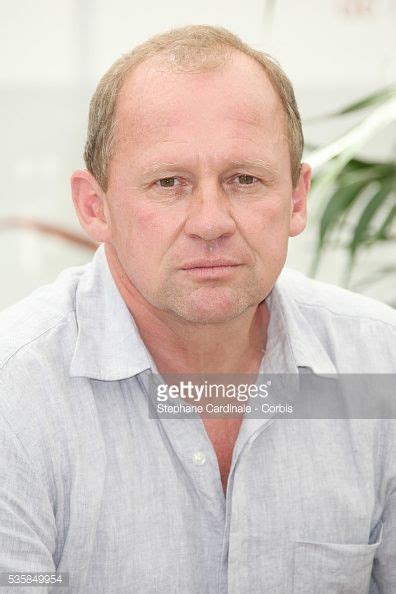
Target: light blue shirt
column 91, row 486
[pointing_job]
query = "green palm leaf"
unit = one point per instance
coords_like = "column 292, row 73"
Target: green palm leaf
column 378, row 201
column 340, row 202
column 382, row 233
column 374, row 99
column 377, row 98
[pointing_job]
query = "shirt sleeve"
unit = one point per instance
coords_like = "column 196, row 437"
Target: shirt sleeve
column 27, row 522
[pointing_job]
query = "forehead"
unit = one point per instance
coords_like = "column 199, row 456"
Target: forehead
column 156, row 96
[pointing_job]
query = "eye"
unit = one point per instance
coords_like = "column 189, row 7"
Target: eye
column 246, row 180
column 167, row 182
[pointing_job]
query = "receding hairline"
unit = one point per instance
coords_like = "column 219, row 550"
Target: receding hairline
column 162, row 62
column 188, row 49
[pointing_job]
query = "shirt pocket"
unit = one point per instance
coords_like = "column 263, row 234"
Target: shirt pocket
column 332, row 568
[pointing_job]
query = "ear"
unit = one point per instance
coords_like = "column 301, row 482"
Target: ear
column 298, row 217
column 89, row 202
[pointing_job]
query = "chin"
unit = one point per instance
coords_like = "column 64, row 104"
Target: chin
column 207, row 317
column 211, row 306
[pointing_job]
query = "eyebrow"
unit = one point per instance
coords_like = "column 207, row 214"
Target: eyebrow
column 269, row 169
column 270, row 172
column 153, row 169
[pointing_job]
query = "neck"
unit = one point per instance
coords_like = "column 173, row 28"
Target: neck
column 179, row 346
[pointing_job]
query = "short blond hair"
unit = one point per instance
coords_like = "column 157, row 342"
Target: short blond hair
column 192, row 48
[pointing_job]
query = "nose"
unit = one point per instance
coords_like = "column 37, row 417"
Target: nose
column 209, row 215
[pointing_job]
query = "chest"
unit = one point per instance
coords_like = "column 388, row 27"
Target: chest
column 223, row 434
column 143, row 512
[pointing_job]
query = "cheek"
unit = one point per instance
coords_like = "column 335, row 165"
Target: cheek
column 267, row 221
column 142, row 234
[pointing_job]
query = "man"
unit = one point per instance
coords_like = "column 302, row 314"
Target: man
column 194, row 184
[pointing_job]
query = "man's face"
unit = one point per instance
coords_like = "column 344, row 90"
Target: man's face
column 200, row 193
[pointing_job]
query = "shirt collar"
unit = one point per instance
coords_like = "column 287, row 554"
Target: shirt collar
column 109, row 346
column 291, row 339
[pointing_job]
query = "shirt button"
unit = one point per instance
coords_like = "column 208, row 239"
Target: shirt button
column 199, row 458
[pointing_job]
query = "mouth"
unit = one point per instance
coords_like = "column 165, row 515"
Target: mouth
column 211, row 269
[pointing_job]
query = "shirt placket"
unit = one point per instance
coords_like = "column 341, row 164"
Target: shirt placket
column 192, row 446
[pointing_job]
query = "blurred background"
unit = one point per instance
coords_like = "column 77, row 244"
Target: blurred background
column 340, row 56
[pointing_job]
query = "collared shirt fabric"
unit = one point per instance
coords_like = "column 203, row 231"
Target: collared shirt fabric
column 90, row 485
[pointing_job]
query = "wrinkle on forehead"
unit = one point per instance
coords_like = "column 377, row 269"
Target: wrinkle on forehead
column 233, row 111
column 152, row 81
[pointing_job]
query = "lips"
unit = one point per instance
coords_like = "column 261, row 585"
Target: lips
column 213, row 263
column 210, row 269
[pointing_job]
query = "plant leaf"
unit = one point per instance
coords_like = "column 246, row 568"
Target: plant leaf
column 369, row 172
column 349, row 143
column 374, row 99
column 338, row 204
column 373, row 277
column 376, row 202
column 377, row 98
column 381, row 234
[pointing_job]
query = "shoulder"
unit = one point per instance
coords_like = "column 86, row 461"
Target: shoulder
column 322, row 300
column 357, row 333
column 40, row 404
column 37, row 341
column 34, row 318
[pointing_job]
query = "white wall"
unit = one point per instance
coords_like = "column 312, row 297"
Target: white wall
column 53, row 54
